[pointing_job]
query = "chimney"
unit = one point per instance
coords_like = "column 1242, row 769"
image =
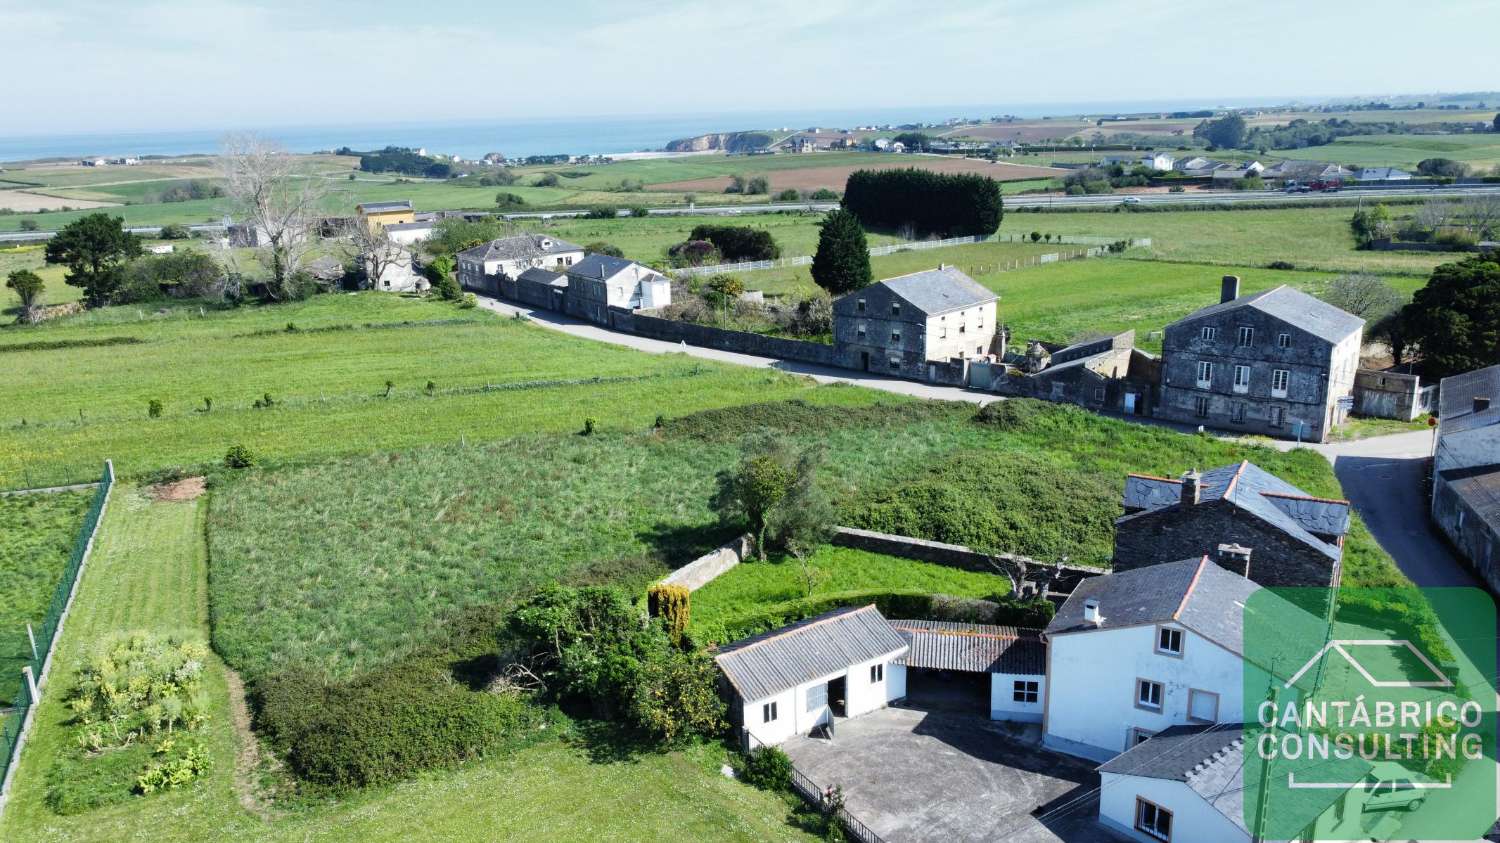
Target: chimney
column 1481, row 403
column 1229, row 288
column 1191, row 483
column 1235, row 558
column 1091, row 612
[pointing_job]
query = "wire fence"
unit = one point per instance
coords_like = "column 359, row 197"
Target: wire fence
column 12, row 735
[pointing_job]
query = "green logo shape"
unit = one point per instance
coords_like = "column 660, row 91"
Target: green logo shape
column 1369, row 714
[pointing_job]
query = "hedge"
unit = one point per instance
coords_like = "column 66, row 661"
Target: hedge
column 945, row 204
column 738, row 242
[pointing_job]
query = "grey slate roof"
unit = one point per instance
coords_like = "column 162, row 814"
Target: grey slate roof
column 376, row 207
column 972, row 647
column 1195, row 593
column 1293, row 307
column 934, row 291
column 1479, row 486
column 518, row 246
column 537, row 275
column 408, row 226
column 1456, row 400
column 599, row 266
column 777, row 661
column 1252, row 490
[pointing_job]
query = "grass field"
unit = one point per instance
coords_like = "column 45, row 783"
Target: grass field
column 37, row 533
column 149, row 572
column 978, row 260
column 1480, row 151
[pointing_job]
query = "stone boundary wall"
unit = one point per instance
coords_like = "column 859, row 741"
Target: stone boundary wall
column 703, row 570
column 708, row 336
column 1066, row 578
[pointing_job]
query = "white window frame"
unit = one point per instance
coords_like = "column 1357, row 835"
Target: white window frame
column 1166, row 634
column 768, row 713
column 1153, row 827
column 1026, row 691
column 1282, row 377
column 1208, row 333
column 1241, row 378
column 1142, row 701
column 1245, row 337
column 859, row 305
column 895, row 308
column 1205, row 374
column 877, row 673
column 1283, row 340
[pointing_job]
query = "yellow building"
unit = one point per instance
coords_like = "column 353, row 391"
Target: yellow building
column 378, row 215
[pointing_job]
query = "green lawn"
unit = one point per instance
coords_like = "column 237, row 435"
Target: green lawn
column 37, row 534
column 31, row 257
column 978, row 260
column 149, row 572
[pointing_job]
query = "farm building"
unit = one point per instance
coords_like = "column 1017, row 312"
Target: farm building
column 1295, row 539
column 1108, row 373
column 997, row 671
column 1466, row 469
column 407, row 233
column 380, row 214
column 600, row 282
column 798, row 678
column 540, row 288
column 904, row 325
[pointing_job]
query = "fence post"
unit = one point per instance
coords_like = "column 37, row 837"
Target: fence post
column 32, row 635
column 31, row 684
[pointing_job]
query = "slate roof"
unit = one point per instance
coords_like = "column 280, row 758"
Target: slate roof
column 1293, row 307
column 972, row 647
column 1195, row 593
column 1456, row 400
column 382, row 207
column 934, row 291
column 518, row 246
column 1479, row 486
column 537, row 275
column 768, row 664
column 1254, row 491
column 408, row 226
column 605, row 267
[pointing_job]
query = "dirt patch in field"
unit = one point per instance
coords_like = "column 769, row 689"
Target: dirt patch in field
column 35, row 203
column 251, row 762
column 834, row 178
column 186, row 489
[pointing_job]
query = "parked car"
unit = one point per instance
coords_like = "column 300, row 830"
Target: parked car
column 1392, row 794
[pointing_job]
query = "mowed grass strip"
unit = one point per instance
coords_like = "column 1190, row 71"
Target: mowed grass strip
column 37, row 534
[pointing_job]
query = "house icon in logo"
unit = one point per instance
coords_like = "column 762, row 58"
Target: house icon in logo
column 1342, row 646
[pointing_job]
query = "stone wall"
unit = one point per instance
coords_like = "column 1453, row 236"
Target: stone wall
column 1059, row 579
column 1468, row 532
column 1391, row 395
column 43, row 312
column 708, row 336
column 703, row 570
column 1173, row 533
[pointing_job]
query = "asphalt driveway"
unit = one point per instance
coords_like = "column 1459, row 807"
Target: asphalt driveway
column 922, row 776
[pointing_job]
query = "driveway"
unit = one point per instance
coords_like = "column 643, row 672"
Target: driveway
column 919, row 776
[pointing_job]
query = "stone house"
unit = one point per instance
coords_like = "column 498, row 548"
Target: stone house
column 1279, row 363
column 540, row 288
column 600, row 282
column 1108, row 374
column 484, row 267
column 1279, row 535
column 1466, row 469
column 902, row 326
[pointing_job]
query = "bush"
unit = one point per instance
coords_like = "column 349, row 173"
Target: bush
column 588, row 426
column 468, row 302
column 788, row 195
column 639, row 211
column 823, row 194
column 29, row 225
column 600, row 247
column 949, row 205
column 239, row 456
column 767, row 768
column 758, row 184
column 1281, row 265
column 602, row 212
column 738, row 242
column 546, row 180
column 1012, row 414
column 505, row 200
column 174, row 231
column 694, row 253
column 153, row 408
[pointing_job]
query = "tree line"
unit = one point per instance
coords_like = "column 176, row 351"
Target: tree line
column 944, row 204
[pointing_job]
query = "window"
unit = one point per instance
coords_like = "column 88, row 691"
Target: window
column 1279, row 380
column 1148, row 694
column 1278, row 416
column 943, row 334
column 1169, row 641
column 1137, row 736
column 768, row 712
column 1026, row 691
column 860, row 305
column 1205, row 374
column 860, row 331
column 1241, row 378
column 895, row 336
column 1203, row 706
column 817, row 697
column 877, row 673
column 1283, row 340
column 1153, row 819
column 1099, row 393
column 1200, row 406
column 1239, row 412
column 980, row 322
column 895, row 362
column 961, row 327
column 895, row 308
column 1209, row 333
column 1246, row 337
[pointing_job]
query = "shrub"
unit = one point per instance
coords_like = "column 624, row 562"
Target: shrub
column 176, row 762
column 468, row 302
column 600, row 247
column 265, row 402
column 823, row 194
column 738, row 242
column 546, row 180
column 671, row 603
column 602, row 212
column 153, row 408
column 767, row 768
column 695, row 253
column 174, row 231
column 1012, row 414
column 505, row 200
column 29, row 225
column 589, row 425
column 1281, row 265
column 788, row 195
column 758, row 184
column 239, row 456
column 639, row 211
column 675, row 695
column 1035, row 236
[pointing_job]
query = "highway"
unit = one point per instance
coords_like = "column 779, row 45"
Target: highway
column 1196, row 199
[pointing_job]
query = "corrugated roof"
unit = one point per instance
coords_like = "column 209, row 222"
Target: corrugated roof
column 934, row 291
column 1255, row 491
column 408, row 226
column 777, row 661
column 379, row 207
column 1293, row 307
column 977, row 648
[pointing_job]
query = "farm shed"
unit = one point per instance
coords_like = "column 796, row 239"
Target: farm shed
column 795, row 679
column 999, row 671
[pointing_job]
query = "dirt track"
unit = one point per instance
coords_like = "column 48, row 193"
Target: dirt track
column 833, row 178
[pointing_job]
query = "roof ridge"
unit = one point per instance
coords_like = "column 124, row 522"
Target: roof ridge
column 1233, row 481
column 798, row 627
column 1303, row 497
column 1153, row 477
column 1192, row 585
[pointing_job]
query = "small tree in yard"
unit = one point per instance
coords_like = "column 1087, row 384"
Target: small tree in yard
column 95, row 249
column 842, row 262
column 773, row 488
column 27, row 286
column 153, row 408
column 439, row 272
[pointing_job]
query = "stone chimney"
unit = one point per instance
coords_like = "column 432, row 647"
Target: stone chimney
column 1481, row 403
column 1229, row 288
column 1191, row 487
column 1235, row 558
column 1091, row 612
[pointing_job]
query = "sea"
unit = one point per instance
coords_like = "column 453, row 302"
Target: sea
column 518, row 138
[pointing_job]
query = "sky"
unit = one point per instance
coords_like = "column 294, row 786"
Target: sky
column 79, row 66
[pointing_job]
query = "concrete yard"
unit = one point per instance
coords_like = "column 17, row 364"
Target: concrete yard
column 925, row 776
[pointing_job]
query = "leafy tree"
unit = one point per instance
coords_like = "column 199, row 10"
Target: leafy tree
column 673, row 605
column 94, row 248
column 1373, row 300
column 1455, row 318
column 946, row 204
column 546, row 180
column 1226, row 132
column 739, row 242
column 505, row 200
column 455, row 234
column 1442, row 168
column 1371, row 224
column 757, row 184
column 174, row 231
column 29, row 225
column 600, row 247
column 28, row 287
column 185, row 274
column 439, row 271
column 842, row 262
column 774, row 489
column 694, row 253
column 788, row 195
column 724, row 289
column 675, row 695
column 913, row 141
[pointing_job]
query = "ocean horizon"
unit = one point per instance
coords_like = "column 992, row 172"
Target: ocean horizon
column 545, row 136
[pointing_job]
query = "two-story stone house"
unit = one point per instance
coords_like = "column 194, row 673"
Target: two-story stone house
column 1466, row 469
column 1278, row 362
column 898, row 325
column 599, row 282
column 487, row 265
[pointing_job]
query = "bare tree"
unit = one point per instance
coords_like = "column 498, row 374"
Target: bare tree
column 373, row 249
column 282, row 206
column 1366, row 296
column 1480, row 213
column 1435, row 214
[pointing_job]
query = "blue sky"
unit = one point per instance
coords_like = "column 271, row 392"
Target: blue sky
column 84, row 66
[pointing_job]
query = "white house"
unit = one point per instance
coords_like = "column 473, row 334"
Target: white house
column 793, row 680
column 481, row 267
column 600, row 282
column 1134, row 653
column 407, row 233
column 1161, row 162
column 399, row 276
column 1003, row 667
column 1382, row 174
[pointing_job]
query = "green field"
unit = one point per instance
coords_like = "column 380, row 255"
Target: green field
column 37, row 533
column 1479, row 151
column 149, row 572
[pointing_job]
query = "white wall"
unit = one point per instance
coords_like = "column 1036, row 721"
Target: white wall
column 1002, row 698
column 409, row 236
column 399, row 277
column 552, row 263
column 794, row 718
column 1193, row 819
column 978, row 324
column 1480, row 446
column 1092, row 686
column 656, row 292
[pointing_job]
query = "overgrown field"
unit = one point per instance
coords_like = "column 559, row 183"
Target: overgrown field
column 149, row 573
column 84, row 397
column 37, row 533
column 978, row 260
column 346, row 564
